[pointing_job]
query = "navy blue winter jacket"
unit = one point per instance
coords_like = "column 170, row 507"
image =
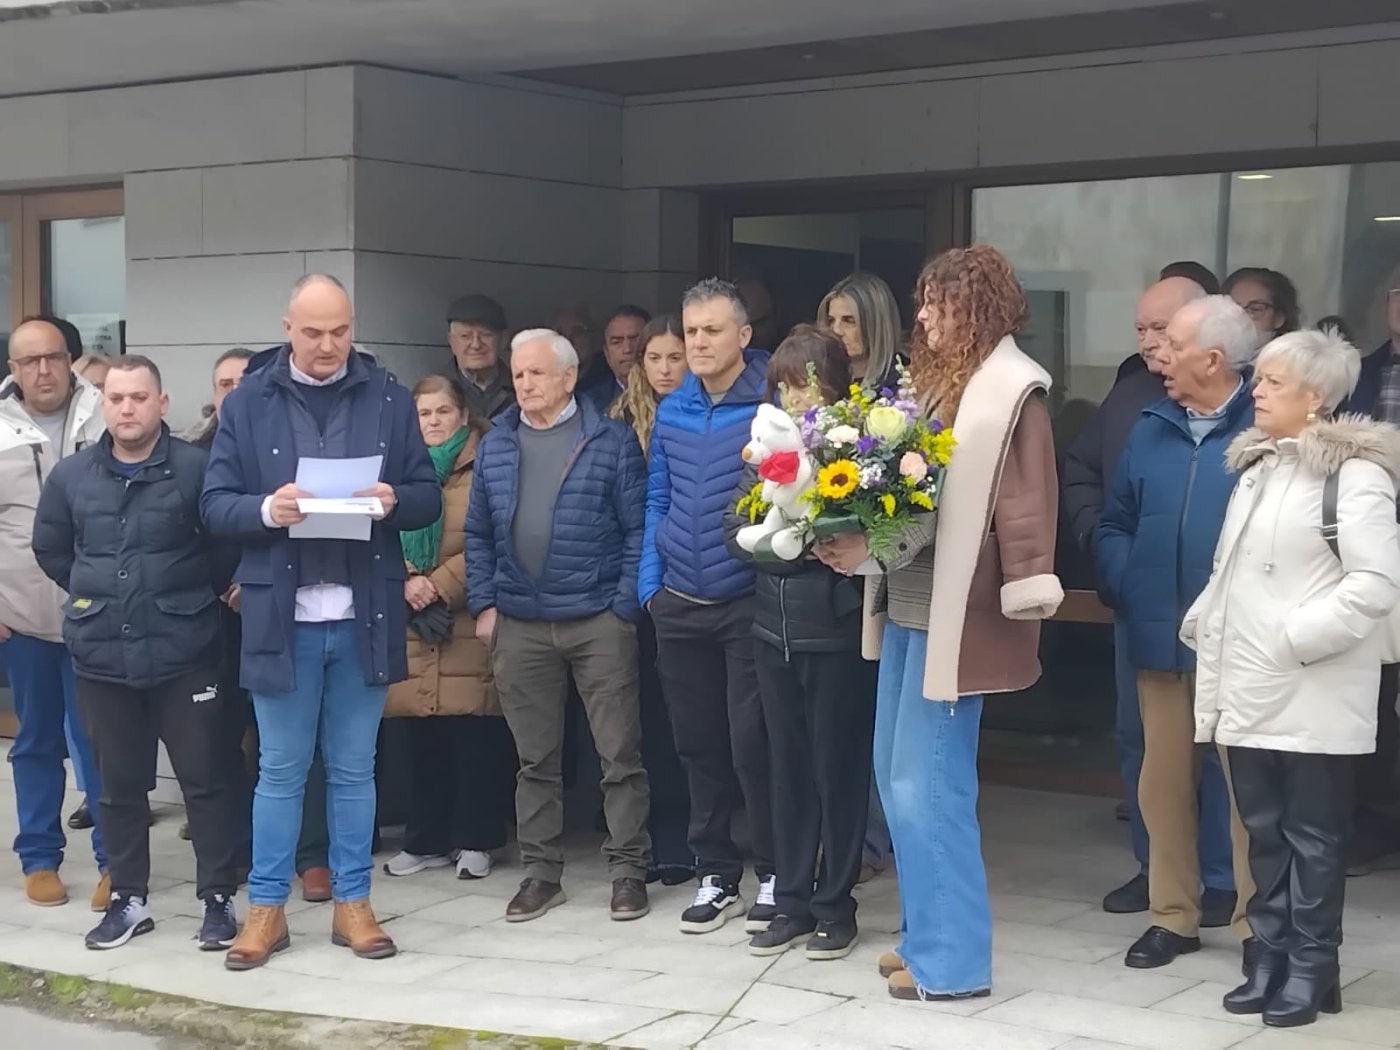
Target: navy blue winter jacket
column 693, row 468
column 1161, row 521
column 254, row 454
column 598, row 520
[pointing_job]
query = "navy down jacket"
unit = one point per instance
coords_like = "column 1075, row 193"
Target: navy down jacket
column 695, row 464
column 1161, row 521
column 597, row 536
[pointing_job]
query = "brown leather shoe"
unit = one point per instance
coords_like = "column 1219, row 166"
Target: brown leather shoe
column 316, row 885
column 46, row 889
column 354, row 926
column 102, row 895
column 629, row 899
column 891, row 962
column 533, row 899
column 264, row 934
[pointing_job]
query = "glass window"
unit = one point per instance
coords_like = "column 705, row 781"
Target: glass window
column 8, row 278
column 84, row 274
column 799, row 257
column 1086, row 250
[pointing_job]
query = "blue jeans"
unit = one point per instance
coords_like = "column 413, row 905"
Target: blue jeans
column 330, row 698
column 1213, row 842
column 41, row 675
column 926, row 767
column 69, row 727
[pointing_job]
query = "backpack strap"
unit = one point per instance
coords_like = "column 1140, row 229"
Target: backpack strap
column 1329, row 512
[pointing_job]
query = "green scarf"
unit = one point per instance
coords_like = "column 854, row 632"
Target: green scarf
column 420, row 546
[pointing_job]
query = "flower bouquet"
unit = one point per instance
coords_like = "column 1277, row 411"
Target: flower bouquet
column 877, row 463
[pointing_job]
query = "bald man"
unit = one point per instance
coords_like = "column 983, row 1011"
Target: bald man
column 1087, row 470
column 46, row 412
column 324, row 626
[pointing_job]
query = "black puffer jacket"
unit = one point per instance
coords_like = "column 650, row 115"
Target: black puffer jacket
column 799, row 606
column 143, row 577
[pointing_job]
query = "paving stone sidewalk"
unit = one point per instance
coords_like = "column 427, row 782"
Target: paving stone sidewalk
column 575, row 975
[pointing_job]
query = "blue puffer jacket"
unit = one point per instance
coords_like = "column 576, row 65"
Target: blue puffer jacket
column 691, row 475
column 1161, row 520
column 598, row 519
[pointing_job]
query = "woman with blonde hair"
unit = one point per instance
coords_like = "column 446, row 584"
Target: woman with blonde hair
column 1307, row 575
column 957, row 612
column 93, row 368
column 861, row 311
column 659, row 370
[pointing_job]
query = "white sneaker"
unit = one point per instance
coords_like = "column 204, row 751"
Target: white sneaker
column 473, row 864
column 405, row 863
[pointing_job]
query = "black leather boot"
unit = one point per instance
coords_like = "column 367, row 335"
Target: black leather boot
column 1264, row 974
column 1302, row 996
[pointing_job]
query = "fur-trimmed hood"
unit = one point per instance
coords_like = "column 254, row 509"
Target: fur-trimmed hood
column 1325, row 445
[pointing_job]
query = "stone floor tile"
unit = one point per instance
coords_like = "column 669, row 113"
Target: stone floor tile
column 922, row 1026
column 1203, row 1000
column 328, row 960
column 1375, row 989
column 419, row 935
column 1036, row 911
column 512, row 941
column 754, row 1035
column 1053, row 942
column 42, row 949
column 1018, row 973
column 693, row 958
column 1095, row 1019
column 1091, row 1044
column 677, row 1032
column 1311, row 1037
column 568, row 981
column 775, row 1004
column 712, row 994
column 458, row 911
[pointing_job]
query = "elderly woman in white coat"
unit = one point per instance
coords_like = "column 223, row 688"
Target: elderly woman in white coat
column 1291, row 632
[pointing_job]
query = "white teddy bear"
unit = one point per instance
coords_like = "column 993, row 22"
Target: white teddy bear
column 775, row 448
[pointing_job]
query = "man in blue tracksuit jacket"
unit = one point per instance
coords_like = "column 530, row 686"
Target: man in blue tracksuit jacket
column 1155, row 546
column 701, row 599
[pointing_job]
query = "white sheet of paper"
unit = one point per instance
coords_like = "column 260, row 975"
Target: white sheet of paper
column 370, row 506
column 336, row 481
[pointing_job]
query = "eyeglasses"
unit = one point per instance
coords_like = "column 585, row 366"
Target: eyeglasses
column 31, row 364
column 1258, row 307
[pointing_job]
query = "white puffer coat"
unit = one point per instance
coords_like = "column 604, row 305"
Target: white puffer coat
column 1290, row 638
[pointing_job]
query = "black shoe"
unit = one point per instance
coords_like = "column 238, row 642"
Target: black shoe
column 1303, row 994
column 1251, row 951
column 184, row 832
column 1158, row 947
column 1264, row 974
column 783, row 932
column 670, row 874
column 81, row 818
column 220, row 926
column 833, row 939
column 126, row 917
column 1129, row 898
column 765, row 908
column 1217, row 908
column 715, row 903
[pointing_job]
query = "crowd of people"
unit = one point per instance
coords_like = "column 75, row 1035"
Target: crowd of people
column 548, row 521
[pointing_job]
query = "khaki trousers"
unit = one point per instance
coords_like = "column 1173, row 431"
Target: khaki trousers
column 1167, row 794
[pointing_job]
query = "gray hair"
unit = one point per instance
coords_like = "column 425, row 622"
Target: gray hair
column 1322, row 362
column 1223, row 324
column 717, row 288
column 564, row 351
column 877, row 313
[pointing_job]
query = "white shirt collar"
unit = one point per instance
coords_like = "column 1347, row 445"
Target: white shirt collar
column 298, row 376
column 568, row 412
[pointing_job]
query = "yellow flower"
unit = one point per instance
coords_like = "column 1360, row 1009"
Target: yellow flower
column 921, row 499
column 838, row 480
column 943, row 443
column 887, row 502
column 855, row 390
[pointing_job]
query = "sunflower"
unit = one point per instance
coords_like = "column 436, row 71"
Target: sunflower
column 838, row 480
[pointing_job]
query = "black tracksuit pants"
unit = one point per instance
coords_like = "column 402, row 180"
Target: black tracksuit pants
column 462, row 785
column 1295, row 807
column 187, row 713
column 821, row 726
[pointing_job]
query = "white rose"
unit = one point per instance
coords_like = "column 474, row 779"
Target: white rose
column 842, row 435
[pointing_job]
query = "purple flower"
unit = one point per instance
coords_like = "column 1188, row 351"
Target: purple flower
column 886, row 392
column 865, row 444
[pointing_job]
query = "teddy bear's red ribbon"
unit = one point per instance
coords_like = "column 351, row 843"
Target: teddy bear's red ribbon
column 780, row 467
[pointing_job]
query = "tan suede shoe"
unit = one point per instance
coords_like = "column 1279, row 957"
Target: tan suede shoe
column 102, row 895
column 45, row 888
column 264, row 934
column 354, row 926
column 890, row 962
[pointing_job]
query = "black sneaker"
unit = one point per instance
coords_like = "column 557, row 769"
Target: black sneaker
column 765, row 908
column 126, row 917
column 715, row 902
column 783, row 933
column 833, row 939
column 220, row 926
column 1217, row 908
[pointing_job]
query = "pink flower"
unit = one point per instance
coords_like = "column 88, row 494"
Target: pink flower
column 912, row 465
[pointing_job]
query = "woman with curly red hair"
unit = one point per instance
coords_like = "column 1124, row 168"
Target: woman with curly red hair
column 957, row 611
